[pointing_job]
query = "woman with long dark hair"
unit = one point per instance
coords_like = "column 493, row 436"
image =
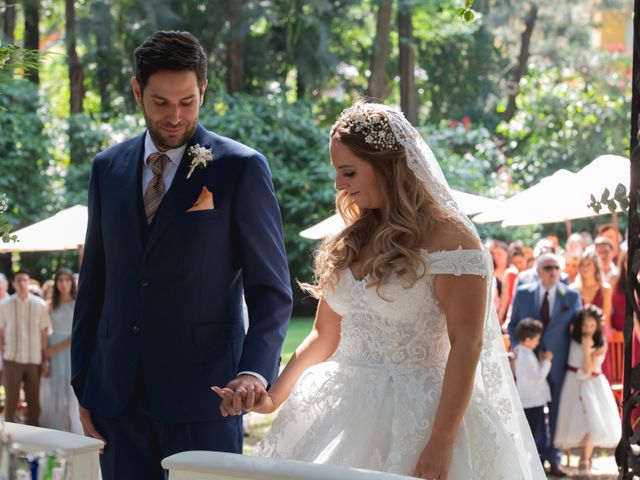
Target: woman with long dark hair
column 59, row 404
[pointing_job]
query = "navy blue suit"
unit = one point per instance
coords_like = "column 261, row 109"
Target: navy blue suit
column 158, row 318
column 556, row 339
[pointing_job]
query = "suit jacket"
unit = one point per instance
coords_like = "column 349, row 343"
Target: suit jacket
column 163, row 303
column 555, row 337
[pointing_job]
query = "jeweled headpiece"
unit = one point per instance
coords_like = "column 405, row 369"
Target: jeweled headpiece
column 362, row 118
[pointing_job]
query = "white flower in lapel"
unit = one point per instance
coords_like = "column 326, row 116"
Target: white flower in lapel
column 561, row 291
column 200, row 156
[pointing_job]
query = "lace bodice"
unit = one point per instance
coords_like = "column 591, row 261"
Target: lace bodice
column 373, row 404
column 399, row 328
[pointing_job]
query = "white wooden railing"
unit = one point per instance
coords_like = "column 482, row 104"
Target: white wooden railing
column 197, row 465
column 81, row 453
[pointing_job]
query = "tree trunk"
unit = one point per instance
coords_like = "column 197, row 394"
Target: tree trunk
column 377, row 88
column 408, row 92
column 76, row 75
column 521, row 67
column 102, row 24
column 9, row 26
column 237, row 43
column 32, row 34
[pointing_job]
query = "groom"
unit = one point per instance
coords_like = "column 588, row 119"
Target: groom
column 181, row 222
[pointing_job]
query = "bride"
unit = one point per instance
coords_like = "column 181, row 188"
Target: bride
column 404, row 370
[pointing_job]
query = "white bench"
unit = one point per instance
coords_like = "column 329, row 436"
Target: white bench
column 198, row 465
column 81, row 453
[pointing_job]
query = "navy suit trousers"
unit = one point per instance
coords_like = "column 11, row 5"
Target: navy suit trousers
column 137, row 443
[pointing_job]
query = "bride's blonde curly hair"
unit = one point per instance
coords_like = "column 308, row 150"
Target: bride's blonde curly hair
column 396, row 234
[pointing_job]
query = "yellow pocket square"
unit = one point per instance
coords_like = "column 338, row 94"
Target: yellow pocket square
column 204, row 201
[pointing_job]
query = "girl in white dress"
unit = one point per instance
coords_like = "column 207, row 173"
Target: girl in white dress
column 404, row 370
column 587, row 415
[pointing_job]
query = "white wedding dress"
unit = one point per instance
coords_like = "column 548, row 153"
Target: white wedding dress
column 372, row 405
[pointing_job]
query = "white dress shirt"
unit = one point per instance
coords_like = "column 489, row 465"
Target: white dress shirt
column 22, row 323
column 531, row 378
column 168, row 174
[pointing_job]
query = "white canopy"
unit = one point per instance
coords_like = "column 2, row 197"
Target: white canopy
column 470, row 204
column 63, row 231
column 561, row 196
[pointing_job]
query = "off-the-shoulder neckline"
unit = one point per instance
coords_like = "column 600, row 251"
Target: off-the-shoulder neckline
column 426, row 252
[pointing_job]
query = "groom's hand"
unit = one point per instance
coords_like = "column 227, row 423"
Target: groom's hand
column 89, row 428
column 240, row 394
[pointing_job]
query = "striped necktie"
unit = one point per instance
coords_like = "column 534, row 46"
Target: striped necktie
column 155, row 190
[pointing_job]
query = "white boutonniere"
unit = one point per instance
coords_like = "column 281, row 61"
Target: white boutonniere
column 562, row 291
column 200, row 156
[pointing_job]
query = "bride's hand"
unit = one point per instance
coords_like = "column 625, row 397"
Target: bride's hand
column 264, row 404
column 435, row 460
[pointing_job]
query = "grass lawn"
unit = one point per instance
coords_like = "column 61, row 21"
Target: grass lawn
column 299, row 327
column 258, row 424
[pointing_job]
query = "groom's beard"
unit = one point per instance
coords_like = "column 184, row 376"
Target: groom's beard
column 167, row 142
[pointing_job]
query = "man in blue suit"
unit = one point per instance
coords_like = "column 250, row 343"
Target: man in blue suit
column 555, row 305
column 181, row 222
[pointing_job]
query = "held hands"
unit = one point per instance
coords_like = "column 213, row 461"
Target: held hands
column 244, row 393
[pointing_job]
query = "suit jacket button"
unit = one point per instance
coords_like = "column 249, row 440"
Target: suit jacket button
column 144, row 283
column 136, row 330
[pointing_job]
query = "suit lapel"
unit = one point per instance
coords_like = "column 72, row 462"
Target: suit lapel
column 557, row 304
column 132, row 184
column 181, row 191
column 536, row 297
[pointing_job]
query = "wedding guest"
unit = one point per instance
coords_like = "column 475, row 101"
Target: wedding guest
column 4, row 287
column 593, row 287
column 530, row 275
column 500, row 256
column 555, row 304
column 594, row 290
column 531, row 371
column 47, row 290
column 571, row 263
column 59, row 404
column 611, row 233
column 574, row 247
column 604, row 250
column 517, row 264
column 24, row 323
column 35, row 287
column 588, row 416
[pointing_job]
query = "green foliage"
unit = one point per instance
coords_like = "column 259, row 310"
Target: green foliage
column 88, row 137
column 620, row 200
column 468, row 156
column 466, row 13
column 5, row 226
column 566, row 118
column 297, row 150
column 24, row 152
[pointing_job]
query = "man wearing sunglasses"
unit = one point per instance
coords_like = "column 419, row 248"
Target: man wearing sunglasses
column 555, row 305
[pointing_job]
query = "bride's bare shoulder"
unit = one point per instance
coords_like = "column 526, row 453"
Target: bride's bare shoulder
column 451, row 236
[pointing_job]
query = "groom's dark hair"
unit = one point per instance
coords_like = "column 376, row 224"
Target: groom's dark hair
column 170, row 50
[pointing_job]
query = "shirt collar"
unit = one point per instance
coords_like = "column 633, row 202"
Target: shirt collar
column 174, row 154
column 18, row 299
column 551, row 291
